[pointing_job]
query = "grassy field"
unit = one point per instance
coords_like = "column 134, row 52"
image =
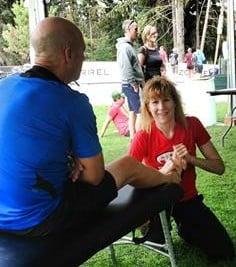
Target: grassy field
column 219, row 193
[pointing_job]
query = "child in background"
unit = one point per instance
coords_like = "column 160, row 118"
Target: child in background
column 118, row 114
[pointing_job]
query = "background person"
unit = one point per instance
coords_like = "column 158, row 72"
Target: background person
column 173, row 59
column 167, row 133
column 163, row 55
column 199, row 59
column 131, row 72
column 188, row 59
column 42, row 122
column 149, row 55
column 118, row 115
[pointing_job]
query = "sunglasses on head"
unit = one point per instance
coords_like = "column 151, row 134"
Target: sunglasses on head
column 130, row 24
column 153, row 33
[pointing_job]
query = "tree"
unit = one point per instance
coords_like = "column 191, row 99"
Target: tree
column 195, row 13
column 16, row 36
column 179, row 23
column 178, row 27
column 6, row 16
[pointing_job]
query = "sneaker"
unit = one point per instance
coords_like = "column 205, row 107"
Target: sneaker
column 152, row 232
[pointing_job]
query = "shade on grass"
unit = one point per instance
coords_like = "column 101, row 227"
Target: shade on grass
column 219, row 193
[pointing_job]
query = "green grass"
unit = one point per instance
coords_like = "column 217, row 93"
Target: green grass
column 219, row 193
column 221, row 111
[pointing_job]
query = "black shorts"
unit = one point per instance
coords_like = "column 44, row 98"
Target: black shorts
column 81, row 202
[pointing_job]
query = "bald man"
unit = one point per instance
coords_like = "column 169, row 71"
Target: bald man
column 42, row 122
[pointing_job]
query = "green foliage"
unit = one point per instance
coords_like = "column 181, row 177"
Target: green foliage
column 64, row 9
column 100, row 21
column 219, row 193
column 17, row 37
column 99, row 49
column 6, row 16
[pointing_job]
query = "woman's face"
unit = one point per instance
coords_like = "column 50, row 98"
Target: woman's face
column 153, row 34
column 162, row 109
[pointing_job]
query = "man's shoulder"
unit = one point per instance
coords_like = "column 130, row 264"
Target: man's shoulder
column 78, row 98
column 123, row 43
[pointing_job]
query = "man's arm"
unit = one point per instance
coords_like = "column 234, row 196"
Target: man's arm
column 90, row 170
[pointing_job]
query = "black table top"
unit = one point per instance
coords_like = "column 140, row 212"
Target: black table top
column 229, row 91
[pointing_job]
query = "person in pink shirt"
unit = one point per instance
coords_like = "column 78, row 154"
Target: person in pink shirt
column 163, row 55
column 189, row 59
column 118, row 115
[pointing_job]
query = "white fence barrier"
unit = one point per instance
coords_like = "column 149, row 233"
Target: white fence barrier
column 99, row 79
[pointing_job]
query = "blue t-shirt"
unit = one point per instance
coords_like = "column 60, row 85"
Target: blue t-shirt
column 41, row 121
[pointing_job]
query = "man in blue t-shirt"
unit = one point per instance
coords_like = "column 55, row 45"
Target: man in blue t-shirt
column 51, row 161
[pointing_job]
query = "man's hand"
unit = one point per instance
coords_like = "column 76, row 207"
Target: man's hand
column 76, row 172
column 135, row 87
column 173, row 177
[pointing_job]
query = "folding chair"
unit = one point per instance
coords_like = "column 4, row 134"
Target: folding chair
column 165, row 249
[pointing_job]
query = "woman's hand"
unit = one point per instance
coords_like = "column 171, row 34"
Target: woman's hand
column 175, row 164
column 181, row 152
column 172, row 169
column 168, row 167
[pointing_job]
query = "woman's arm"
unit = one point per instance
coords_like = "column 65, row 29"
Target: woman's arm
column 141, row 58
column 212, row 161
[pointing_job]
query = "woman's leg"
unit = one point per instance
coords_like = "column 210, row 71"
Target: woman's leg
column 198, row 226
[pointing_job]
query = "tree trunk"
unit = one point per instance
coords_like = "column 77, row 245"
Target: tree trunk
column 180, row 29
column 205, row 25
column 197, row 25
column 174, row 4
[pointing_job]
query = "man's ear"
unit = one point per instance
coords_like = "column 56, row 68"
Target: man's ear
column 68, row 54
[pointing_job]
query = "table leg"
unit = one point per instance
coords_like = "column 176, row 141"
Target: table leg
column 230, row 126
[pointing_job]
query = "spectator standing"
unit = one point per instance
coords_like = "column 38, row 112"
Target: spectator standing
column 118, row 114
column 199, row 59
column 173, row 59
column 188, row 59
column 131, row 72
column 163, row 55
column 149, row 55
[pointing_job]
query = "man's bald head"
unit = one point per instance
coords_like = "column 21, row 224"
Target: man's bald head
column 54, row 33
column 54, row 41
